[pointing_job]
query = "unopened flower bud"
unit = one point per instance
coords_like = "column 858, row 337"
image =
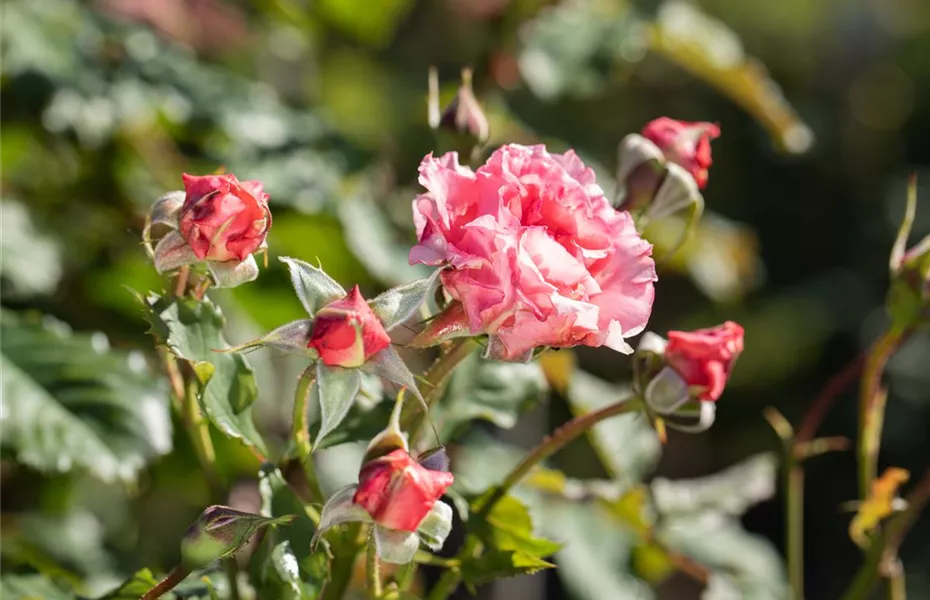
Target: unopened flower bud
column 398, row 492
column 908, row 299
column 346, row 333
column 683, row 143
column 462, row 126
column 219, row 532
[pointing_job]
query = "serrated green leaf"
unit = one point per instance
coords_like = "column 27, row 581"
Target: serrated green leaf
column 509, row 526
column 335, row 389
column 31, row 587
column 134, row 587
column 69, row 401
column 500, row 564
column 489, row 390
column 195, row 334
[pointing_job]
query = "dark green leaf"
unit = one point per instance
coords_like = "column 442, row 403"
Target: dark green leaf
column 500, row 564
column 490, row 390
column 31, row 587
column 510, row 527
column 69, row 401
column 195, row 334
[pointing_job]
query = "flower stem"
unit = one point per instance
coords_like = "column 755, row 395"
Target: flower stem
column 345, row 550
column 232, row 575
column 435, row 379
column 555, row 442
column 301, row 433
column 794, row 517
column 446, row 585
column 405, row 575
column 372, row 570
column 199, row 431
column 872, row 406
column 174, row 577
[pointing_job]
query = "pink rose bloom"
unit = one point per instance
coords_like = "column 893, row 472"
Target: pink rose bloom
column 705, row 357
column 347, row 332
column 398, row 492
column 538, row 256
column 222, row 218
column 687, row 144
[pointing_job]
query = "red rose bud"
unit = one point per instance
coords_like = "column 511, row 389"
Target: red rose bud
column 222, row 218
column 705, row 357
column 347, row 332
column 687, row 144
column 398, row 492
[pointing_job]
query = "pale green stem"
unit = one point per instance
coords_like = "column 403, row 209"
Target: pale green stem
column 434, row 381
column 372, row 568
column 301, row 433
column 232, row 575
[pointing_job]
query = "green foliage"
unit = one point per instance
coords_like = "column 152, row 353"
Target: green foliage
column 500, row 564
column 193, row 331
column 134, row 587
column 492, row 391
column 29, row 260
column 509, row 527
column 69, row 401
column 31, row 587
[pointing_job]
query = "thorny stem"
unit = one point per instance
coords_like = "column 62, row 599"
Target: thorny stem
column 343, row 564
column 824, row 401
column 872, row 406
column 406, row 574
column 885, row 547
column 372, row 569
column 301, row 433
column 174, row 577
column 180, row 285
column 555, row 442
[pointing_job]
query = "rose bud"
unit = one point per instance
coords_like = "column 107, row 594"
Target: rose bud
column 704, row 358
column 219, row 532
column 464, row 116
column 346, row 333
column 222, row 218
column 398, row 492
column 687, row 144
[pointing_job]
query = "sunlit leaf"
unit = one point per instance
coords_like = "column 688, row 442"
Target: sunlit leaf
column 219, row 532
column 69, row 401
column 314, row 287
column 713, row 53
column 227, row 385
column 509, row 526
column 29, row 260
column 334, row 390
column 499, row 564
column 134, row 587
column 879, row 504
column 31, row 587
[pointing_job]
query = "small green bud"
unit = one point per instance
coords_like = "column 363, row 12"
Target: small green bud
column 219, row 532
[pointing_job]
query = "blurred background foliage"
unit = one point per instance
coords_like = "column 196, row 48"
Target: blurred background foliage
column 105, row 103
